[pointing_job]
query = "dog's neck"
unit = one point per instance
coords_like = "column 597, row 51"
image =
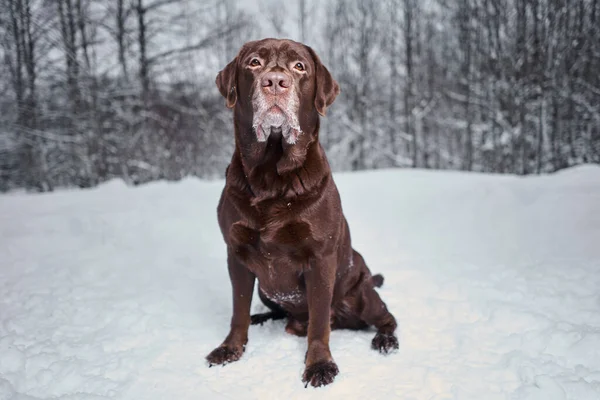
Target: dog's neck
column 275, row 169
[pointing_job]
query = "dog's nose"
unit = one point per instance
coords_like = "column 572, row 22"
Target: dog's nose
column 275, row 82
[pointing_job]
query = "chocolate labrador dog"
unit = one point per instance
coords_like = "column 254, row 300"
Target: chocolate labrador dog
column 280, row 212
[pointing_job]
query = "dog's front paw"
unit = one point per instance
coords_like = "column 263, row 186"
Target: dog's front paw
column 223, row 355
column 320, row 374
column 384, row 342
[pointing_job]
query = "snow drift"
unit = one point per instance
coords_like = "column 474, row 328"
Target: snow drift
column 119, row 293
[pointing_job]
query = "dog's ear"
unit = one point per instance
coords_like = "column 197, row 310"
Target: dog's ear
column 227, row 83
column 327, row 88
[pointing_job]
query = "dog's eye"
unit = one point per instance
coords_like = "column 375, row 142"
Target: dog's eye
column 299, row 66
column 254, row 62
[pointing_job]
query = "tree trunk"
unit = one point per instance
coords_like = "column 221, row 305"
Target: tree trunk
column 302, row 14
column 466, row 76
column 408, row 92
column 394, row 61
column 121, row 17
column 144, row 68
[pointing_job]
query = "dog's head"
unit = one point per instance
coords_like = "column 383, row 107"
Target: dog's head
column 277, row 87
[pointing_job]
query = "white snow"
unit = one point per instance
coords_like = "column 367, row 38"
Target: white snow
column 119, row 293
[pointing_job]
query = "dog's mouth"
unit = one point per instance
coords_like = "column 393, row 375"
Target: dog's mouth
column 276, row 121
column 272, row 117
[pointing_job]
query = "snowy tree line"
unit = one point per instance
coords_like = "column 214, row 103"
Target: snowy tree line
column 96, row 89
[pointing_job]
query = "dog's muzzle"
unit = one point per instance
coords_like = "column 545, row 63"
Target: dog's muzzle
column 276, row 111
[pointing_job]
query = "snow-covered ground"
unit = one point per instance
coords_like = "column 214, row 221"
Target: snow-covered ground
column 120, row 292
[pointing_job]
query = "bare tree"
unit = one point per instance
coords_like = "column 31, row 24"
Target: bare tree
column 91, row 90
column 68, row 31
column 466, row 77
column 21, row 58
column 409, row 41
column 121, row 16
column 302, row 20
column 144, row 68
column 394, row 61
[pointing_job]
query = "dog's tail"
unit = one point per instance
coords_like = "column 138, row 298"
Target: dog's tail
column 377, row 280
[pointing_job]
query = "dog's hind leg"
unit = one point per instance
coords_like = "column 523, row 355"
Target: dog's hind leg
column 296, row 327
column 373, row 311
column 276, row 311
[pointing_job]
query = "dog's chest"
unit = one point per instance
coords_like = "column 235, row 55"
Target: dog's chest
column 282, row 284
column 275, row 267
column 277, row 253
column 271, row 236
column 290, row 299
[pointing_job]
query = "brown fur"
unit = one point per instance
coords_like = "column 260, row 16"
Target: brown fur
column 281, row 218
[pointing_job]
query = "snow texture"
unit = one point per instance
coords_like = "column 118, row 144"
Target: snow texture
column 119, row 293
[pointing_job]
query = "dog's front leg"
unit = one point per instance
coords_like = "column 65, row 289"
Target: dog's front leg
column 320, row 279
column 242, row 282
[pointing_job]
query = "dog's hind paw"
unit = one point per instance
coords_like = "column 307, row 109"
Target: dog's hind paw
column 385, row 343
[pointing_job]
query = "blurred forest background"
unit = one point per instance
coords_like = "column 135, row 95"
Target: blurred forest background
column 96, row 89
